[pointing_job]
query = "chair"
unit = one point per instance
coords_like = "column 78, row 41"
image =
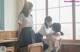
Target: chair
column 36, row 47
column 10, row 49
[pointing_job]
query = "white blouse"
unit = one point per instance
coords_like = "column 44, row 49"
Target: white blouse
column 45, row 31
column 25, row 21
column 57, row 37
column 51, row 39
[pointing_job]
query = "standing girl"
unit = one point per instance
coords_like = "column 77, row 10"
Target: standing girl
column 26, row 33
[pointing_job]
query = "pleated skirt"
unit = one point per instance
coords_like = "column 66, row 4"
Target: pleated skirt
column 27, row 36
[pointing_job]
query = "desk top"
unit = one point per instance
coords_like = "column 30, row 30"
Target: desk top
column 7, row 40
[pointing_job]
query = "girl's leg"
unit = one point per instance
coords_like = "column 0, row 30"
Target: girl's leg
column 49, row 49
column 38, row 38
column 45, row 46
column 54, row 50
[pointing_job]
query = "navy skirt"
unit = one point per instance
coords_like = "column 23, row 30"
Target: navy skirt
column 39, row 38
column 26, row 37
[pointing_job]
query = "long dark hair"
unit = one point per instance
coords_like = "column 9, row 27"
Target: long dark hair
column 47, row 19
column 26, row 8
column 57, row 27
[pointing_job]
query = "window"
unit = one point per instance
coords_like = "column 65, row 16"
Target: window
column 38, row 13
column 66, row 14
column 62, row 3
column 40, row 4
column 53, row 3
column 61, row 12
column 77, row 3
column 40, row 16
column 78, row 31
column 77, row 22
column 67, row 30
column 66, row 21
column 54, row 13
column 77, row 13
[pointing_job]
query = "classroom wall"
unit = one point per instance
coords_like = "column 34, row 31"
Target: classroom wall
column 11, row 10
column 70, row 48
column 10, row 15
column 20, row 5
column 10, row 19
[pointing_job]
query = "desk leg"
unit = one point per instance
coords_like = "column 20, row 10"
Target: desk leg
column 15, row 46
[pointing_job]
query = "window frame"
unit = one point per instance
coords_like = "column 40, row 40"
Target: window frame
column 73, row 22
column 74, row 40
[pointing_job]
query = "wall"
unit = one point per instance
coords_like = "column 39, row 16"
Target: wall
column 20, row 5
column 10, row 15
column 11, row 11
column 10, row 19
column 70, row 48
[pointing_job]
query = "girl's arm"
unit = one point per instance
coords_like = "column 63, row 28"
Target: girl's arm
column 20, row 21
column 19, row 30
column 45, row 31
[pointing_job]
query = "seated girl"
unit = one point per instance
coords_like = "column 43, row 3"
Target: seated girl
column 55, row 38
column 45, row 30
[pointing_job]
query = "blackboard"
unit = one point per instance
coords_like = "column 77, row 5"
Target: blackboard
column 1, row 14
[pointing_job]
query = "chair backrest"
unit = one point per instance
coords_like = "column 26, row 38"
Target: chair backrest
column 10, row 49
column 36, row 47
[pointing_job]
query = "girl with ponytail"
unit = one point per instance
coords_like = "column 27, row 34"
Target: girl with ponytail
column 45, row 30
column 55, row 36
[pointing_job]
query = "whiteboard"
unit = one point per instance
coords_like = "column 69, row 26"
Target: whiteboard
column 1, row 14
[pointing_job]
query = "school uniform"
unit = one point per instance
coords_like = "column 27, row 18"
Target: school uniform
column 27, row 33
column 43, row 32
column 52, row 38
